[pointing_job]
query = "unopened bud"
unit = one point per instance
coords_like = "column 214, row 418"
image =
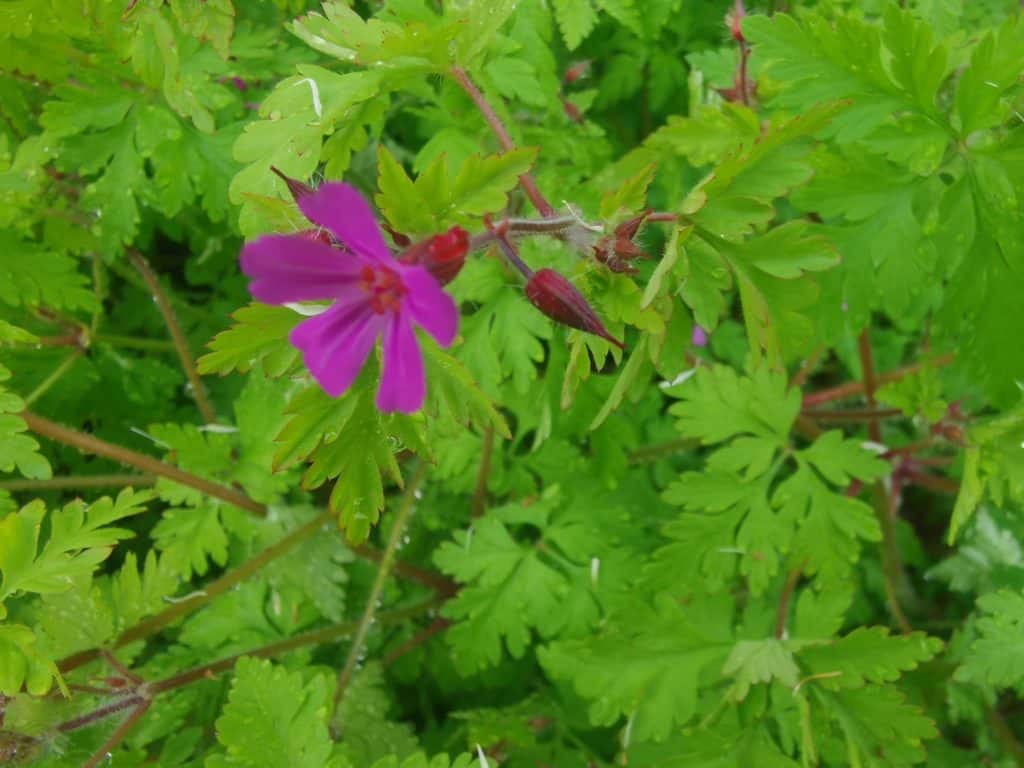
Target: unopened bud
column 557, row 298
column 318, row 235
column 576, row 71
column 735, row 21
column 442, row 255
column 296, row 187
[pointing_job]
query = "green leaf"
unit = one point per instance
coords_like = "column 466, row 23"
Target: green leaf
column 867, row 655
column 576, row 18
column 259, row 338
column 716, row 405
column 996, row 657
column 511, row 590
column 21, row 664
column 756, row 662
column 17, row 450
column 453, row 391
column 80, row 538
column 839, row 459
column 647, row 667
column 31, row 276
column 275, row 717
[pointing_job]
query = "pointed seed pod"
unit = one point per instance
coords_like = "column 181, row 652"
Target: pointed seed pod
column 557, row 298
column 296, row 187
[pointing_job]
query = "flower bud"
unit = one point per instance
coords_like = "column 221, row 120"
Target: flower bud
column 735, row 21
column 442, row 255
column 557, row 298
column 296, row 187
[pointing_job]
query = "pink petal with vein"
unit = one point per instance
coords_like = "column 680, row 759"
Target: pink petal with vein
column 335, row 344
column 341, row 209
column 287, row 268
column 430, row 307
column 402, row 385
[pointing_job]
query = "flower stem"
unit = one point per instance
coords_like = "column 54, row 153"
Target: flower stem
column 147, row 691
column 77, row 481
column 53, row 378
column 867, row 366
column 362, row 630
column 117, row 736
column 93, row 445
column 868, row 415
column 854, row 388
column 180, row 342
column 150, row 626
column 782, row 612
column 526, row 180
column 133, row 342
column 483, row 474
column 437, row 625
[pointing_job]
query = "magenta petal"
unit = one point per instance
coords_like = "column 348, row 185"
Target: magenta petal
column 402, row 385
column 431, row 308
column 341, row 209
column 288, row 268
column 335, row 344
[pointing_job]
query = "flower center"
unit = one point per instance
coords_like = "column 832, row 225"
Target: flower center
column 384, row 287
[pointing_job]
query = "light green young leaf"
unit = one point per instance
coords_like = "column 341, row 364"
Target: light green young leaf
column 274, row 717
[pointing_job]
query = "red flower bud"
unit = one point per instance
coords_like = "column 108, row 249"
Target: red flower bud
column 572, row 111
column 296, row 187
column 557, row 298
column 319, row 235
column 576, row 71
column 442, row 255
column 735, row 21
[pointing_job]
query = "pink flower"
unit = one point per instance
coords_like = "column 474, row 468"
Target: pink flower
column 374, row 295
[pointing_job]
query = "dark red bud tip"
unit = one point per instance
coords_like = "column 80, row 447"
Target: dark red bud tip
column 296, row 187
column 735, row 20
column 318, row 235
column 557, row 298
column 576, row 71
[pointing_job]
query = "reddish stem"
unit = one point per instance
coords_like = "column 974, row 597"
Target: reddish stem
column 498, row 127
column 854, row 388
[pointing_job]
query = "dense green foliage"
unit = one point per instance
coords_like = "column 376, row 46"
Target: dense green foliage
column 798, row 544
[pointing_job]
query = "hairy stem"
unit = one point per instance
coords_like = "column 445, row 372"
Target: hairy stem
column 117, row 736
column 89, row 444
column 150, row 626
column 429, row 579
column 868, row 415
column 897, row 585
column 82, row 721
column 483, row 474
column 526, row 180
column 854, row 388
column 320, row 636
column 133, row 342
column 435, row 627
column 314, row 637
column 405, row 507
column 657, row 451
column 78, row 481
column 53, row 378
column 867, row 366
column 782, row 611
column 180, row 342
column 1005, row 735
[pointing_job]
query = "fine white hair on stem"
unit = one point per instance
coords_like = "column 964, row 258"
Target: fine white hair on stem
column 317, row 106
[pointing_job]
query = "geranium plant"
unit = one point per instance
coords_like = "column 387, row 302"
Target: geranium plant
column 563, row 383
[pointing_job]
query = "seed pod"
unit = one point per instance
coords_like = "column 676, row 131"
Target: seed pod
column 296, row 187
column 557, row 298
